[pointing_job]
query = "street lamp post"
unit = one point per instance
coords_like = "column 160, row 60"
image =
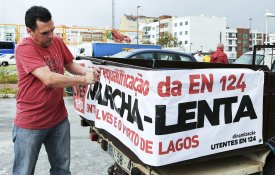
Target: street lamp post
column 137, row 23
column 267, row 14
column 191, row 47
column 113, row 14
column 250, row 32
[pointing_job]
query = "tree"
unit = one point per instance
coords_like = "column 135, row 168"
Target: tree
column 167, row 40
column 146, row 42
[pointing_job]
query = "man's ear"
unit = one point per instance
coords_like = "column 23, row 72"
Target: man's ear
column 29, row 30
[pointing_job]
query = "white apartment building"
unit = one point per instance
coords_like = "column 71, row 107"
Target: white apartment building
column 192, row 32
column 230, row 46
column 241, row 40
column 129, row 22
column 272, row 38
column 151, row 33
column 199, row 32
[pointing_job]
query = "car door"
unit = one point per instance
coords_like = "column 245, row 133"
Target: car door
column 12, row 60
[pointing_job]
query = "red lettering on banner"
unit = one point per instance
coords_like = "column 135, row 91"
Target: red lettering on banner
column 106, row 116
column 148, row 147
column 195, row 141
column 199, row 82
column 179, row 145
column 173, row 89
column 97, row 115
column 141, row 143
column 119, row 125
column 115, row 122
column 90, row 108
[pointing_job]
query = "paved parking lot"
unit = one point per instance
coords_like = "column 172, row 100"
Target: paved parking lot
column 87, row 158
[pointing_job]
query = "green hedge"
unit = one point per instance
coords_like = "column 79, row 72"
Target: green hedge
column 8, row 79
column 8, row 75
column 8, row 91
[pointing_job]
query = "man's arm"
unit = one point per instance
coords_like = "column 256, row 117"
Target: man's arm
column 53, row 79
column 77, row 69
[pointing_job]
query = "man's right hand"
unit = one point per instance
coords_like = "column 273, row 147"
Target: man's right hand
column 92, row 76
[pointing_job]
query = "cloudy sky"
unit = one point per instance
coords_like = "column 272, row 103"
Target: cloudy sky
column 98, row 13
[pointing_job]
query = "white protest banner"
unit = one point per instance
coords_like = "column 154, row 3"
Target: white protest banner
column 168, row 116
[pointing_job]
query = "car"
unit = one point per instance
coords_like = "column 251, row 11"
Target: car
column 231, row 60
column 7, row 59
column 263, row 57
column 157, row 54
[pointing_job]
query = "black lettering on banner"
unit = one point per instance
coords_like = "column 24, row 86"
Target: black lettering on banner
column 183, row 116
column 227, row 102
column 126, row 106
column 246, row 103
column 133, row 114
column 203, row 112
column 136, row 116
column 114, row 95
column 93, row 92
column 213, row 116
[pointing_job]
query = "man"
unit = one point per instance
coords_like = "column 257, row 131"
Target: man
column 219, row 56
column 199, row 55
column 41, row 116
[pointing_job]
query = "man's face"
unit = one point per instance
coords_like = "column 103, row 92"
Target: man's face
column 43, row 33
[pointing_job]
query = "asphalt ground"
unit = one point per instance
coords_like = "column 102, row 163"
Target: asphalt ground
column 87, row 158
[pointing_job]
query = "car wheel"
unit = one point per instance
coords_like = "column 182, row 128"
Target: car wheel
column 5, row 64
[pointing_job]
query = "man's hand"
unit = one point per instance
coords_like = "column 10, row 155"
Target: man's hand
column 92, row 76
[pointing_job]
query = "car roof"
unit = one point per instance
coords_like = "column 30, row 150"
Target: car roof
column 131, row 52
column 135, row 51
column 260, row 52
column 154, row 50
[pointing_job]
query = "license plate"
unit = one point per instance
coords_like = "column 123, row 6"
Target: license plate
column 120, row 158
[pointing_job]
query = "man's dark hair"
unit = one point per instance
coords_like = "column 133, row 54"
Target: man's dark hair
column 36, row 13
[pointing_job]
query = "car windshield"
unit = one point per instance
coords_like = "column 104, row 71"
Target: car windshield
column 123, row 54
column 247, row 59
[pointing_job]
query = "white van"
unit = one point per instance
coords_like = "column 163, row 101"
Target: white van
column 7, row 59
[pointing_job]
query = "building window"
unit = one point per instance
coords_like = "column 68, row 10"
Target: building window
column 153, row 28
column 180, row 32
column 186, row 32
column 186, row 23
column 165, row 25
column 180, row 42
column 175, row 33
column 229, row 49
column 181, row 23
column 153, row 36
column 175, row 24
column 230, row 42
column 185, row 42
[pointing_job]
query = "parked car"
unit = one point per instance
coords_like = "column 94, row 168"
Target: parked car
column 7, row 59
column 158, row 54
column 231, row 60
column 263, row 57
